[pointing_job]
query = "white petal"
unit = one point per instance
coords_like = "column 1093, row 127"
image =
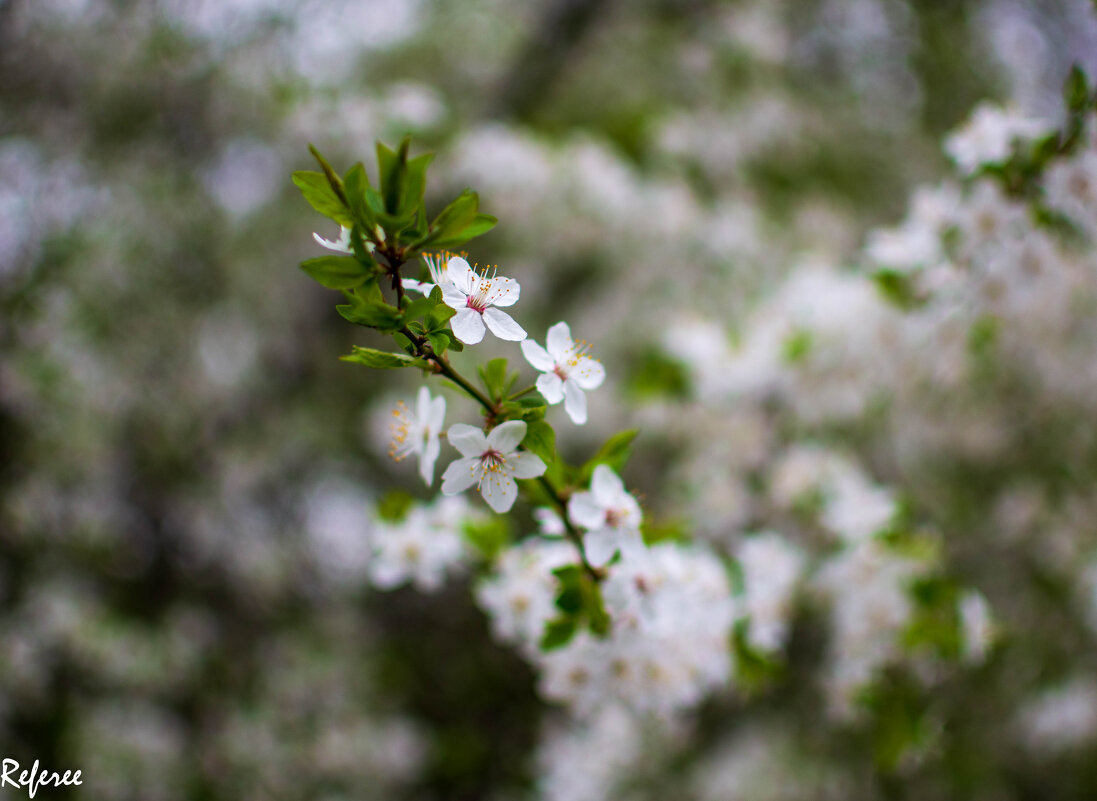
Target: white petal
column 500, row 291
column 632, row 545
column 588, row 373
column 340, row 245
column 584, row 511
column 412, row 285
column 503, row 325
column 600, row 546
column 460, row 274
column 469, row 440
column 422, row 405
column 436, row 418
column 460, row 475
column 526, row 465
column 559, row 340
column 508, row 436
column 606, row 485
column 575, row 402
column 385, row 574
column 453, row 297
column 430, row 455
column 499, row 490
column 551, row 387
column 468, row 326
column 537, row 356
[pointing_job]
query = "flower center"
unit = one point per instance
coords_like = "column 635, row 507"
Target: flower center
column 615, row 517
column 477, row 302
column 493, row 461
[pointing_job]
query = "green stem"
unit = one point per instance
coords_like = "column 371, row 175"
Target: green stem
column 522, row 392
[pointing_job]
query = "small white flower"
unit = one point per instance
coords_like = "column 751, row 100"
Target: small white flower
column 567, row 369
column 491, row 463
column 417, row 433
column 340, row 245
column 610, row 515
column 475, row 297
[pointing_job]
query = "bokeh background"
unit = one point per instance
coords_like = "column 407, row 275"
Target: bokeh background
column 186, row 468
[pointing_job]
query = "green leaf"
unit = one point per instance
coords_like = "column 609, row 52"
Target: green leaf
column 494, row 376
column 489, row 534
column 337, row 272
column 416, row 183
column 540, row 439
column 333, row 178
column 355, row 185
column 367, row 307
column 394, row 506
column 569, row 598
column 898, row 288
column 1076, row 89
column 654, row 374
column 796, row 347
column 317, row 191
column 371, row 357
column 480, row 225
column 440, row 315
column 614, row 452
column 450, row 224
column 393, row 166
column 414, row 309
column 558, row 633
column 439, row 342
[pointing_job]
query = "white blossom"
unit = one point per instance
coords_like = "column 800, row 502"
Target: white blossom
column 610, row 515
column 476, row 297
column 417, row 432
column 989, row 135
column 771, row 569
column 491, row 463
column 567, row 369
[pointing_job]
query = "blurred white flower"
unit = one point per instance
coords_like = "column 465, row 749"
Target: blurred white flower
column 989, row 135
column 421, row 548
column 417, row 432
column 610, row 515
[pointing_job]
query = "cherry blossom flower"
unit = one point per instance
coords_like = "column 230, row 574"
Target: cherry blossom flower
column 340, row 245
column 610, row 515
column 417, row 432
column 491, row 463
column 567, row 369
column 476, row 298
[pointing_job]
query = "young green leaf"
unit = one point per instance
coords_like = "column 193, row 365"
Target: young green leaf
column 317, row 191
column 337, row 272
column 333, row 178
column 372, row 314
column 614, row 452
column 540, row 439
column 371, row 357
column 494, row 376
